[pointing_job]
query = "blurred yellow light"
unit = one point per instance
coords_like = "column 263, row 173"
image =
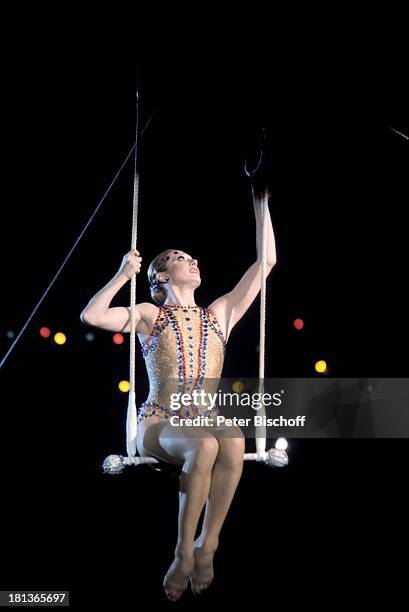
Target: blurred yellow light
column 60, row 338
column 321, row 366
column 124, row 386
column 237, row 386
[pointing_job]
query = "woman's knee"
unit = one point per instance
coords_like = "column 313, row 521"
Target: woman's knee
column 231, row 452
column 202, row 452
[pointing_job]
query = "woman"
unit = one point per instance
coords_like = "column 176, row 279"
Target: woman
column 184, row 342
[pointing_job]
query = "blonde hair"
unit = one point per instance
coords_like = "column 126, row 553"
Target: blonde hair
column 158, row 264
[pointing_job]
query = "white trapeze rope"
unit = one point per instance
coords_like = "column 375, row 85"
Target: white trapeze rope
column 131, row 420
column 261, row 430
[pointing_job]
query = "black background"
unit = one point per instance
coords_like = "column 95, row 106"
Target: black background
column 338, row 176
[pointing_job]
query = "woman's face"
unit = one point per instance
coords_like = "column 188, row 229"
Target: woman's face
column 182, row 269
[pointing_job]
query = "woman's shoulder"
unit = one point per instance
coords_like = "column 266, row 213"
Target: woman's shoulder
column 149, row 313
column 150, row 308
column 218, row 317
column 146, row 310
column 218, row 310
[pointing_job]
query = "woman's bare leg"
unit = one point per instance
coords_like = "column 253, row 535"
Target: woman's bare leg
column 197, row 452
column 226, row 475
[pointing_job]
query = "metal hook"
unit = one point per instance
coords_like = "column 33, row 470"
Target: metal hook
column 261, row 137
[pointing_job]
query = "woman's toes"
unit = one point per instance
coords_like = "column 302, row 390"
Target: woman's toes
column 172, row 594
column 177, row 576
column 202, row 575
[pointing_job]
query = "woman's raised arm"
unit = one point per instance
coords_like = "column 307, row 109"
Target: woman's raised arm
column 231, row 307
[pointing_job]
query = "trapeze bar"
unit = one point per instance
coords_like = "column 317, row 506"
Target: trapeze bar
column 115, row 464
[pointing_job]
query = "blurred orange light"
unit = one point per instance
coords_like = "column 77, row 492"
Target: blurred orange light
column 118, row 339
column 45, row 332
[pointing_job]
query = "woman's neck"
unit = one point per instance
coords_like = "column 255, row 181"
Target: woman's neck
column 180, row 298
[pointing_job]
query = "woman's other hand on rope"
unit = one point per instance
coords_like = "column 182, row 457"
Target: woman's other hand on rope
column 131, row 264
column 98, row 312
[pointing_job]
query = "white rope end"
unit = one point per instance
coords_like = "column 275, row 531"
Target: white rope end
column 131, row 425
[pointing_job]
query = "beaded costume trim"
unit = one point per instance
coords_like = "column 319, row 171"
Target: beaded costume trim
column 151, row 342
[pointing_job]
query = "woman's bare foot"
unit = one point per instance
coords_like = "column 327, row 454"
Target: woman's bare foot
column 177, row 576
column 203, row 573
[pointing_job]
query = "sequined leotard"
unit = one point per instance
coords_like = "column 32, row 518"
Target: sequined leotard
column 185, row 351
